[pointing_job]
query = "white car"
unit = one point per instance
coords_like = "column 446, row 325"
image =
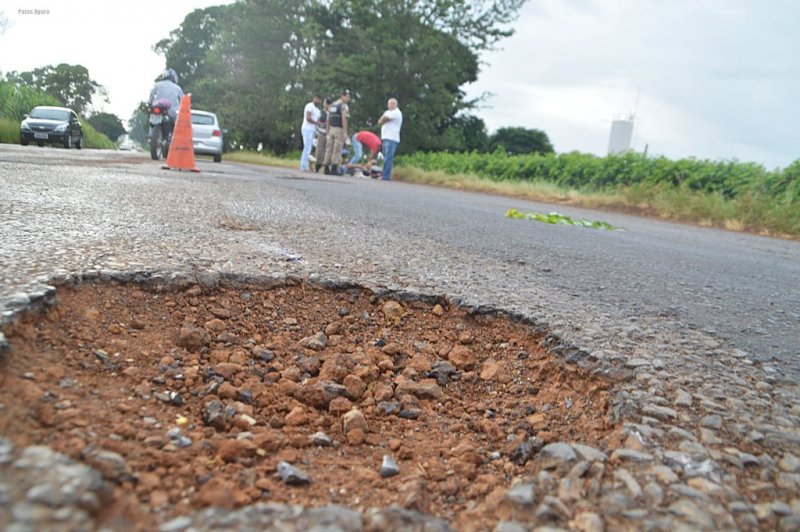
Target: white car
column 206, row 134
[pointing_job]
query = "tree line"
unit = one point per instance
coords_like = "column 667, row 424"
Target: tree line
column 256, row 63
column 66, row 85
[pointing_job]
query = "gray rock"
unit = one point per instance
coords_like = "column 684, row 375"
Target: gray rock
column 707, row 487
column 683, row 398
column 50, row 495
column 682, row 434
column 624, row 476
column 654, row 494
column 788, row 481
column 321, row 439
column 510, row 526
column 629, row 455
column 664, row 474
column 217, row 415
column 687, row 491
column 689, row 511
column 522, row 453
column 110, row 464
column 662, row 413
column 523, row 494
column 389, row 467
column 555, row 454
column 174, row 433
column 401, row 519
column 552, row 509
column 789, row 463
column 316, row 342
column 749, row 460
column 389, row 407
column 789, row 523
column 587, row 522
column 616, row 502
column 292, row 475
column 707, row 468
column 709, row 437
column 30, row 513
column 781, row 508
column 589, row 453
column 738, row 507
column 713, row 421
column 176, row 525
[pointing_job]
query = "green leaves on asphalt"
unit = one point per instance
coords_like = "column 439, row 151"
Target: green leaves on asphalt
column 555, row 218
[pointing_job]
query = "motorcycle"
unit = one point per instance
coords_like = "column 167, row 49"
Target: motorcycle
column 161, row 125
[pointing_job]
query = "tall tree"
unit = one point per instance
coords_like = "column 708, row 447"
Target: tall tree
column 466, row 132
column 69, row 84
column 520, row 140
column 108, row 124
column 187, row 46
column 138, row 126
column 257, row 62
column 379, row 49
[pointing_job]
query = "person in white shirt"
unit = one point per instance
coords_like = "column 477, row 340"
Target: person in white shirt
column 390, row 121
column 308, row 130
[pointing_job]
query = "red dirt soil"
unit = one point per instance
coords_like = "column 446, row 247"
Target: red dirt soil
column 101, row 368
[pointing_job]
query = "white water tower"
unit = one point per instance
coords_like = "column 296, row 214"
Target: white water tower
column 619, row 141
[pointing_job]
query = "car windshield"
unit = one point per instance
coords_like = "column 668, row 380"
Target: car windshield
column 203, row 120
column 50, row 114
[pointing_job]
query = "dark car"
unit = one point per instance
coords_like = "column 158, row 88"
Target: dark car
column 51, row 125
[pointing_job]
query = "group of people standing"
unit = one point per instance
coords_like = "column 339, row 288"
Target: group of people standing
column 329, row 126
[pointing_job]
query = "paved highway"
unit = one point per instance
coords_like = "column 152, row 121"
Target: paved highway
column 609, row 292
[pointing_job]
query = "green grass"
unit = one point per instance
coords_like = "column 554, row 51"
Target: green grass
column 555, row 218
column 93, row 139
column 17, row 101
column 750, row 212
column 264, row 159
column 9, row 131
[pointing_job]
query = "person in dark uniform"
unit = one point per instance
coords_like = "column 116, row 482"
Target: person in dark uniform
column 338, row 113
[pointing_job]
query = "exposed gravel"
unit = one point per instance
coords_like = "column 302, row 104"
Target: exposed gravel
column 710, row 407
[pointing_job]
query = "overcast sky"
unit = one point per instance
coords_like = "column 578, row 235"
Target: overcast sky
column 717, row 79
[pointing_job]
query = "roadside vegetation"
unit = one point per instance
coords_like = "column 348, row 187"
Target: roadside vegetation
column 265, row 159
column 729, row 194
column 725, row 194
column 17, row 100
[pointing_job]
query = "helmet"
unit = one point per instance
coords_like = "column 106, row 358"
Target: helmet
column 170, row 74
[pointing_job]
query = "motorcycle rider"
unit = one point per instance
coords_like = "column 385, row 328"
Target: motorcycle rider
column 167, row 88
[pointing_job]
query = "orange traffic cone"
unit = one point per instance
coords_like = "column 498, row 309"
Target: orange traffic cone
column 181, row 149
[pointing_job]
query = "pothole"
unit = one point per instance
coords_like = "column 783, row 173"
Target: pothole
column 203, row 393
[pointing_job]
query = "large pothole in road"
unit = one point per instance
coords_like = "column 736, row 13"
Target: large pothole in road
column 204, row 394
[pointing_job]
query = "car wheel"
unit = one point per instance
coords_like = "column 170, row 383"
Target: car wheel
column 68, row 141
column 79, row 144
column 218, row 158
column 23, row 142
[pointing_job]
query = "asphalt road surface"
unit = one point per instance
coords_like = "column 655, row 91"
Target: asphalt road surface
column 80, row 210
